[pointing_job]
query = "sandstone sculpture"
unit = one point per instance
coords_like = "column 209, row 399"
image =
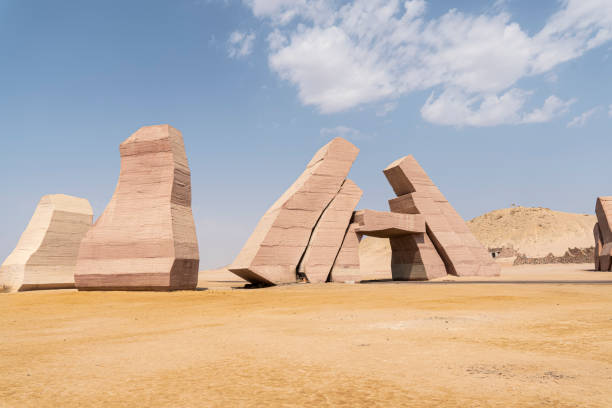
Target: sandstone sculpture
column 460, row 251
column 346, row 267
column 273, row 252
column 46, row 254
column 603, row 234
column 383, row 224
column 312, row 232
column 145, row 239
column 413, row 256
column 329, row 233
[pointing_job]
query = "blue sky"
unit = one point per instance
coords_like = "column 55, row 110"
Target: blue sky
column 502, row 102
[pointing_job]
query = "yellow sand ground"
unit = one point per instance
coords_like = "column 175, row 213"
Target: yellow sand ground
column 373, row 345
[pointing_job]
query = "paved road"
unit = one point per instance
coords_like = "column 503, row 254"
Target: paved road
column 500, row 282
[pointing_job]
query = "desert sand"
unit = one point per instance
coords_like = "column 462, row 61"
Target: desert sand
column 375, row 344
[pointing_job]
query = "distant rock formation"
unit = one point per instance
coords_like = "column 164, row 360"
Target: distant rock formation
column 519, row 235
column 572, row 255
column 274, row 251
column 146, row 238
column 46, row 255
column 603, row 234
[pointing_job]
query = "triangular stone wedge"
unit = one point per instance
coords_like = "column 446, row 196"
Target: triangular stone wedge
column 461, row 252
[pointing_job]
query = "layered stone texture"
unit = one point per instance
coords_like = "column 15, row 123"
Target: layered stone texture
column 329, row 233
column 457, row 247
column 46, row 255
column 146, row 238
column 413, row 256
column 311, row 233
column 603, row 234
column 598, row 246
column 383, row 224
column 273, row 252
column 346, row 267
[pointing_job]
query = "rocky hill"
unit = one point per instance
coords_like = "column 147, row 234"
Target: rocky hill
column 534, row 232
column 527, row 235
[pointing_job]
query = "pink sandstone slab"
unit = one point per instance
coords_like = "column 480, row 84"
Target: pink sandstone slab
column 414, row 257
column 347, row 266
column 598, row 246
column 384, row 224
column 417, row 194
column 46, row 255
column 272, row 253
column 603, row 211
column 605, row 258
column 329, row 233
column 146, row 238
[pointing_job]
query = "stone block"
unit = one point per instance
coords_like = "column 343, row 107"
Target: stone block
column 146, row 238
column 414, row 257
column 346, row 266
column 383, row 224
column 46, row 255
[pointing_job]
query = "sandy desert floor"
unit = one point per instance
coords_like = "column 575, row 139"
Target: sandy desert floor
column 374, row 345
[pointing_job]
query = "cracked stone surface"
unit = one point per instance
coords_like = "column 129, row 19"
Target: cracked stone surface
column 329, row 233
column 273, row 252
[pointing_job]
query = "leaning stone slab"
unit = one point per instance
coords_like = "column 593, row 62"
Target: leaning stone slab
column 383, row 224
column 598, row 246
column 146, row 238
column 329, row 233
column 603, row 211
column 462, row 253
column 46, row 254
column 272, row 253
column 347, row 266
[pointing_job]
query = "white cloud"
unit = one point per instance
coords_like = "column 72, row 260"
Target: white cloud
column 552, row 108
column 240, row 44
column 366, row 51
column 283, row 11
column 386, row 108
column 330, row 71
column 610, row 111
column 454, row 107
column 582, row 119
column 342, row 131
